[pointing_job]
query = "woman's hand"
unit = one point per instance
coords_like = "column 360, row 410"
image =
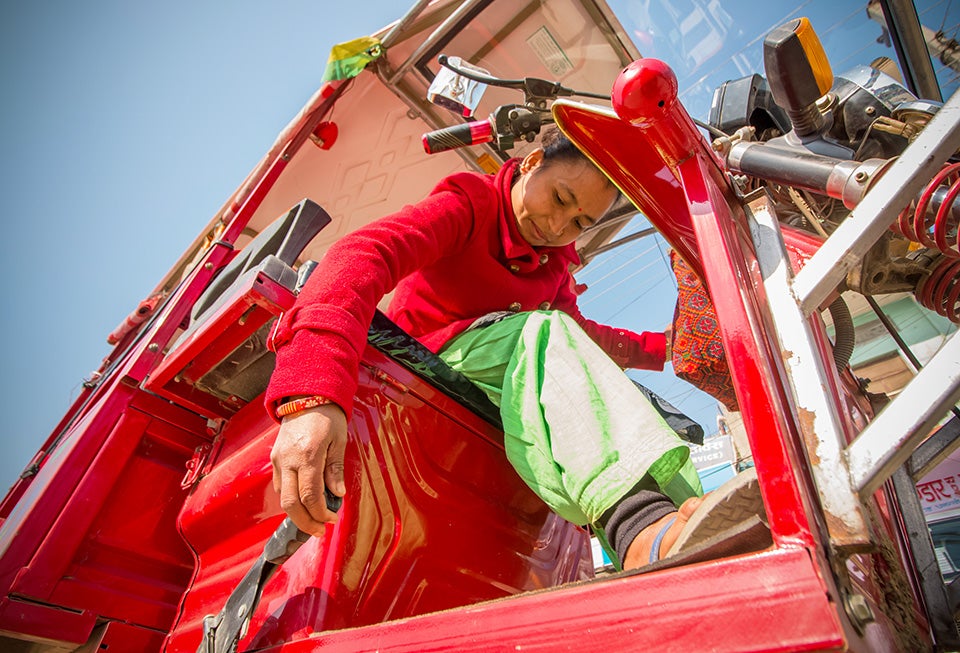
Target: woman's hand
column 308, row 457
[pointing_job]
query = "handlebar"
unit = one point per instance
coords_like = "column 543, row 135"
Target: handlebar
column 509, row 122
column 505, row 125
column 449, row 138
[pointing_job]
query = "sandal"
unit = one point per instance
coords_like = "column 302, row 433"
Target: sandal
column 730, row 520
column 723, row 512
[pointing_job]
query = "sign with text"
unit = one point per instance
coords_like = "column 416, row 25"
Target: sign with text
column 939, row 490
column 714, row 451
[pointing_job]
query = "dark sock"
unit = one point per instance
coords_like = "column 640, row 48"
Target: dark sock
column 624, row 521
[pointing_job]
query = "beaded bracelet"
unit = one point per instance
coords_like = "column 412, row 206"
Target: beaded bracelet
column 300, row 405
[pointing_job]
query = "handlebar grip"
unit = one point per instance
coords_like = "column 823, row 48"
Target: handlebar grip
column 449, row 138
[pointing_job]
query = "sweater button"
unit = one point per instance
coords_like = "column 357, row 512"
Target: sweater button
column 544, row 258
column 545, row 306
column 514, row 307
column 514, row 268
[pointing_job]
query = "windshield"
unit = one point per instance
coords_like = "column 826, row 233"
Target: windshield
column 708, row 42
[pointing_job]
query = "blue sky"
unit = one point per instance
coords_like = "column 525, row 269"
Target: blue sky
column 125, row 126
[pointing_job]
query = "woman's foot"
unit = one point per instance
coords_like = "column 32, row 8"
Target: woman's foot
column 728, row 521
column 660, row 534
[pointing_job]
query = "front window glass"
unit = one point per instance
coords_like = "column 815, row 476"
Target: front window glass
column 708, row 42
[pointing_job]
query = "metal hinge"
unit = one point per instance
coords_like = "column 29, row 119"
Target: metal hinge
column 203, row 456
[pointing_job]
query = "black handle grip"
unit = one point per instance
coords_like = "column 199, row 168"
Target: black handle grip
column 333, row 501
column 449, row 138
column 287, row 538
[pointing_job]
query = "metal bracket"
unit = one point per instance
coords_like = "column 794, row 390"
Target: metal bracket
column 224, row 630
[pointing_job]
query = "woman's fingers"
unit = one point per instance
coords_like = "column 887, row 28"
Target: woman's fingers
column 333, row 468
column 292, row 504
column 311, row 490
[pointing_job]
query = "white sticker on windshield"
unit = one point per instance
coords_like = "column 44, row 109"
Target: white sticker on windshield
column 549, row 52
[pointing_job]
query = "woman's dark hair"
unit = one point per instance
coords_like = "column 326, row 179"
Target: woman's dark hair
column 557, row 147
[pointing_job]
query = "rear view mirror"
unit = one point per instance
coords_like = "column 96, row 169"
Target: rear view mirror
column 455, row 92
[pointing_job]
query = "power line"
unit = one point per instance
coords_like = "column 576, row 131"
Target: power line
column 619, row 283
column 635, row 299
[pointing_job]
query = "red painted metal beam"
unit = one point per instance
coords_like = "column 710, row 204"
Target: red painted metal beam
column 774, row 601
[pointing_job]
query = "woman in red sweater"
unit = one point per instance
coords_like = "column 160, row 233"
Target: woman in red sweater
column 481, row 273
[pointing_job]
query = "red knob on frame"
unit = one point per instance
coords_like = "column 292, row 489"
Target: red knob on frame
column 645, row 92
column 645, row 95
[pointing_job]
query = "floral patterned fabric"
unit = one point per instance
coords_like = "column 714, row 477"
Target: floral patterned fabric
column 698, row 355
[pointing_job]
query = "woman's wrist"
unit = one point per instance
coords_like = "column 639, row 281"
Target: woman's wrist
column 297, row 405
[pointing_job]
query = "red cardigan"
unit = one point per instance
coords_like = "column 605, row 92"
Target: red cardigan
column 453, row 257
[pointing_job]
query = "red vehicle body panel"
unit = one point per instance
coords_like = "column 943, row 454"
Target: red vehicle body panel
column 432, row 521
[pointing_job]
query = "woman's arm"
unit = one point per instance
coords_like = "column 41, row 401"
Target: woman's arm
column 647, row 350
column 319, row 342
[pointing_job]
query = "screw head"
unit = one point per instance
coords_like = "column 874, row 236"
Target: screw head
column 859, row 610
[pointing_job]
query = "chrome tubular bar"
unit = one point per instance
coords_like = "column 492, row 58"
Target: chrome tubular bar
column 847, row 246
column 438, row 34
column 398, row 29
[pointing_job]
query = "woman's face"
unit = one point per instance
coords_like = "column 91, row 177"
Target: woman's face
column 555, row 202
